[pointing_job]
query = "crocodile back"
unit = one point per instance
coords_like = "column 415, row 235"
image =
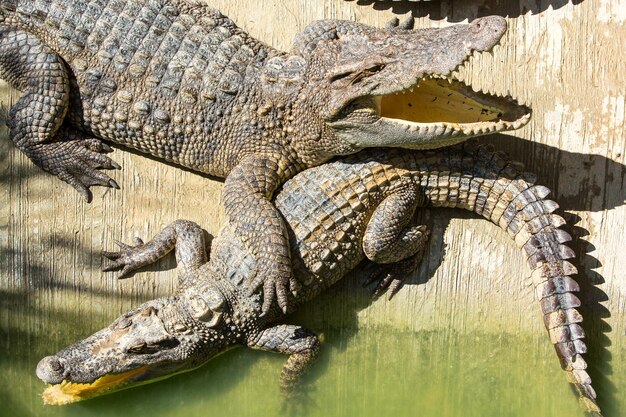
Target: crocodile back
column 149, row 74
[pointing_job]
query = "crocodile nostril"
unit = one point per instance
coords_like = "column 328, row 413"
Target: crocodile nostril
column 50, row 370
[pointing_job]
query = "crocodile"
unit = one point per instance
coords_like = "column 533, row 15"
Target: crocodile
column 179, row 81
column 339, row 214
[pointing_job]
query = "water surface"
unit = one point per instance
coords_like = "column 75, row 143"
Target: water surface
column 376, row 370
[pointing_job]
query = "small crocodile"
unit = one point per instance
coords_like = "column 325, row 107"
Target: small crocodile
column 178, row 80
column 338, row 214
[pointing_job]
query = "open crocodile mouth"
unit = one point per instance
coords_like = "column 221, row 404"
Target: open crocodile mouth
column 449, row 106
column 435, row 112
column 69, row 392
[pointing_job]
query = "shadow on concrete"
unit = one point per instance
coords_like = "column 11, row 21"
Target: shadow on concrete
column 459, row 10
column 579, row 181
column 596, row 327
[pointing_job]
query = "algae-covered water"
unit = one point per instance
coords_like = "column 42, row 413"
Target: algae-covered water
column 368, row 373
column 375, row 370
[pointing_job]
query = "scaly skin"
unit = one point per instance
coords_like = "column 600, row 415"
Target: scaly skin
column 338, row 215
column 182, row 82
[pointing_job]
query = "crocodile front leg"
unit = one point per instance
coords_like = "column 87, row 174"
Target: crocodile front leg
column 188, row 239
column 35, row 120
column 247, row 193
column 302, row 346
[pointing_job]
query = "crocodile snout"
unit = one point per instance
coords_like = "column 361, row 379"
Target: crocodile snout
column 50, row 370
column 486, row 32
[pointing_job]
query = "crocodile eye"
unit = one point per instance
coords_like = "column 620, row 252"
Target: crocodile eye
column 148, row 311
column 139, row 348
column 180, row 327
column 123, row 323
column 353, row 75
column 144, row 348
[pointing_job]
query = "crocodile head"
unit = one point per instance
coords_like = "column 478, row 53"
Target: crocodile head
column 397, row 87
column 158, row 339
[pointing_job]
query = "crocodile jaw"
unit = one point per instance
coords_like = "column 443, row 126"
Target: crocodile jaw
column 69, row 392
column 438, row 111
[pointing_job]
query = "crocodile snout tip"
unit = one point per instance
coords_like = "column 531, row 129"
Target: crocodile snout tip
column 486, row 32
column 50, row 370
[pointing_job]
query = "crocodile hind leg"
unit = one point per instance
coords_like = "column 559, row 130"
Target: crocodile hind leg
column 391, row 277
column 35, row 121
column 302, row 346
column 392, row 241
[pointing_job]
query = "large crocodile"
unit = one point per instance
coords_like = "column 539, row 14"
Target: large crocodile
column 180, row 81
column 338, row 214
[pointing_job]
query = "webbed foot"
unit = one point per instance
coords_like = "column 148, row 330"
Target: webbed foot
column 302, row 346
column 297, row 401
column 247, row 192
column 36, row 121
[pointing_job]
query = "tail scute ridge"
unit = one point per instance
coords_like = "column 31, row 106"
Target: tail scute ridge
column 528, row 228
column 556, row 285
column 550, row 254
column 571, row 348
column 562, row 317
column 566, row 333
column 559, row 301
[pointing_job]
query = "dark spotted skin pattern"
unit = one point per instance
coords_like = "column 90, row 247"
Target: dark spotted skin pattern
column 361, row 207
column 178, row 80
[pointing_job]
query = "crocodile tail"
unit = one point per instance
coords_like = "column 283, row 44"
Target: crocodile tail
column 476, row 178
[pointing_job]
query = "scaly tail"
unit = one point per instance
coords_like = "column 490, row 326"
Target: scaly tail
column 476, row 178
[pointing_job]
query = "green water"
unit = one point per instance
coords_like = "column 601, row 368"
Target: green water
column 362, row 371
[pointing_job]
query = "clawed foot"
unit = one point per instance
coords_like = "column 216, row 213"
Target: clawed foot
column 76, row 161
column 128, row 259
column 275, row 286
column 388, row 281
column 391, row 277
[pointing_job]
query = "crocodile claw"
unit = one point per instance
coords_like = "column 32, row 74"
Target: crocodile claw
column 275, row 288
column 391, row 277
column 126, row 259
column 78, row 162
column 388, row 281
